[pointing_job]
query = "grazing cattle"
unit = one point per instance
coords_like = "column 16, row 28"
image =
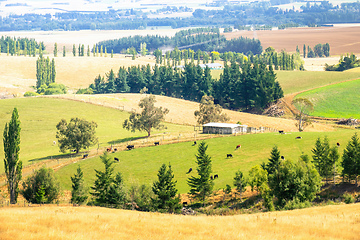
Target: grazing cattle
column 156, row 143
column 54, row 142
column 115, row 149
column 190, row 169
column 229, row 155
column 184, row 203
column 338, row 144
column 282, row 157
column 211, row 177
column 238, row 146
column 216, row 176
column 108, row 149
column 281, row 131
column 129, row 147
column 194, row 143
column 116, row 159
column 298, row 137
column 85, row 155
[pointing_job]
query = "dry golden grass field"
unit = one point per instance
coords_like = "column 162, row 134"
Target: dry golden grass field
column 342, row 38
column 56, row 222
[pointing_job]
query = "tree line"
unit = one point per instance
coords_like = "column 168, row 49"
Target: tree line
column 20, row 46
column 241, row 86
column 345, row 63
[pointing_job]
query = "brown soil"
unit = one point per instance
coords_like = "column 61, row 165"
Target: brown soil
column 342, row 38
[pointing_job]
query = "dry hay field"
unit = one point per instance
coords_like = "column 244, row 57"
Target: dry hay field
column 182, row 111
column 61, row 222
column 343, row 38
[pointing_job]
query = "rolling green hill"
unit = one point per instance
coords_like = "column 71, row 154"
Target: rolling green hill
column 335, row 101
column 39, row 117
column 141, row 164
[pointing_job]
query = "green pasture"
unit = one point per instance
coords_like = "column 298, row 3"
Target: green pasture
column 39, row 117
column 340, row 100
column 142, row 164
column 297, row 81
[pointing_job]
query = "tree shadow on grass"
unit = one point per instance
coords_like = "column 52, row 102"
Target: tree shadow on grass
column 124, row 140
column 56, row 157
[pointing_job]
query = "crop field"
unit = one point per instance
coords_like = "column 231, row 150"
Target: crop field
column 335, row 101
column 342, row 38
column 53, row 222
column 39, row 117
column 142, row 164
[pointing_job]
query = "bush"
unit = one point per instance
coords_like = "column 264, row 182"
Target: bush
column 30, row 94
column 42, row 187
column 296, row 204
column 85, row 91
column 348, row 198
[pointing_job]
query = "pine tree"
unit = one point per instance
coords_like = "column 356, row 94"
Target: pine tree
column 240, row 183
column 165, row 191
column 103, row 181
column 78, row 192
column 13, row 165
column 321, row 159
column 274, row 161
column 116, row 195
column 351, row 159
column 201, row 186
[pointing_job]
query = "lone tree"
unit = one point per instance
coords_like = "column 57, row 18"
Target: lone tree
column 165, row 191
column 305, row 107
column 78, row 192
column 149, row 118
column 274, row 161
column 13, row 165
column 240, row 183
column 76, row 134
column 201, row 186
column 209, row 112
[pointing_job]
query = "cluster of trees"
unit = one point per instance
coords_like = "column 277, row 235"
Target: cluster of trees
column 320, row 50
column 45, row 78
column 345, row 63
column 20, row 46
column 246, row 86
column 253, row 13
column 204, row 39
column 282, row 60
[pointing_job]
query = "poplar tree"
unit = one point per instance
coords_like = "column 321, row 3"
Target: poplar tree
column 13, row 165
column 88, row 51
column 64, row 51
column 74, row 50
column 55, row 50
column 201, row 186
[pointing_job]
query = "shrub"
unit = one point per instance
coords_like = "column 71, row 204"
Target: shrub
column 296, row 204
column 85, row 91
column 348, row 198
column 42, row 187
column 30, row 94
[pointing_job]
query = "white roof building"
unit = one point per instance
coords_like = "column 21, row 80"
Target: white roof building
column 223, row 128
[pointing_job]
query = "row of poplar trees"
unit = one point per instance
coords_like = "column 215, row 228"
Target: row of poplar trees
column 245, row 87
column 45, row 71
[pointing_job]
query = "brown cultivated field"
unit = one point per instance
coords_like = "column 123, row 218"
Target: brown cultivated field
column 342, row 38
column 54, row 222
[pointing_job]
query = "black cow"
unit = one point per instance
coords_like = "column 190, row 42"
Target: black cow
column 281, row 131
column 115, row 149
column 282, row 157
column 194, row 143
column 129, row 147
column 190, row 169
column 116, row 159
column 216, row 176
column 156, row 143
column 338, row 144
column 184, row 203
column 229, row 155
column 211, row 177
column 85, row 155
column 298, row 137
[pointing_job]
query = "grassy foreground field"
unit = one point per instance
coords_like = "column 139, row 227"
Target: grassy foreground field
column 39, row 117
column 335, row 101
column 142, row 164
column 51, row 222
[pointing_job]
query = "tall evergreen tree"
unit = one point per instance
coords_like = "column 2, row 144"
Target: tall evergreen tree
column 240, row 183
column 74, row 50
column 64, row 51
column 78, row 192
column 201, row 186
column 321, row 160
column 351, row 159
column 274, row 161
column 13, row 165
column 55, row 50
column 165, row 191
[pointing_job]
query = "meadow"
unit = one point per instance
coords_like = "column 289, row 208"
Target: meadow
column 142, row 164
column 39, row 117
column 335, row 101
column 56, row 222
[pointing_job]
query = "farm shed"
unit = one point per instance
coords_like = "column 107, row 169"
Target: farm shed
column 212, row 66
column 223, row 128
